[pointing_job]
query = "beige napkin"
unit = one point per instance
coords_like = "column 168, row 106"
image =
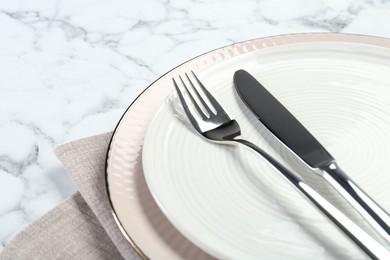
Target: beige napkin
column 81, row 227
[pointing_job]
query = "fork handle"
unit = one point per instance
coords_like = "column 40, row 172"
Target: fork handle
column 367, row 243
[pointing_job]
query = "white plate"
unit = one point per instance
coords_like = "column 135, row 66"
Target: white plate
column 137, row 215
column 232, row 204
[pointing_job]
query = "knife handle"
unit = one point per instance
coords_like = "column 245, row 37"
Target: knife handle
column 367, row 243
column 377, row 217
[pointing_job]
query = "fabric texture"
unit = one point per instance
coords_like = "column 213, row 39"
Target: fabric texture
column 81, row 227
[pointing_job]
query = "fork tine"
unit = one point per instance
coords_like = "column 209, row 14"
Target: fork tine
column 193, row 101
column 185, row 101
column 205, row 105
column 211, row 98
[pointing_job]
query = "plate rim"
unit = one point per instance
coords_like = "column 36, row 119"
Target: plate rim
column 308, row 37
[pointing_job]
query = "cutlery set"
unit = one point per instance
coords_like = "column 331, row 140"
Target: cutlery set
column 212, row 122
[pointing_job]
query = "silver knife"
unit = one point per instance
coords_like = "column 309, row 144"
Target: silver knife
column 300, row 141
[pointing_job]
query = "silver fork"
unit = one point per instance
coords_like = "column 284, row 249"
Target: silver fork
column 214, row 124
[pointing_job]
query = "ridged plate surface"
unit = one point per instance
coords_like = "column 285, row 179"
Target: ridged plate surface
column 227, row 200
column 150, row 232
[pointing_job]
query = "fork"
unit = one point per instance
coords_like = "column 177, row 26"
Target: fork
column 214, row 124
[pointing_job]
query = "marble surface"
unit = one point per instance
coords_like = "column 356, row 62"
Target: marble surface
column 69, row 69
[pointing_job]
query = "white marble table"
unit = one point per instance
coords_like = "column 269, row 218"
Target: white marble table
column 69, row 69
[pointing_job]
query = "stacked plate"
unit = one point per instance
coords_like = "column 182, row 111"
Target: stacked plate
column 177, row 196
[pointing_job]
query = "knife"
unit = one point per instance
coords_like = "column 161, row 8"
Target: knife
column 282, row 124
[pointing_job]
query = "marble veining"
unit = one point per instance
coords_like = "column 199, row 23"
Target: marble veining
column 69, row 69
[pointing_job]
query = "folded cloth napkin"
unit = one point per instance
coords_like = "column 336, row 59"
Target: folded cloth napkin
column 81, row 227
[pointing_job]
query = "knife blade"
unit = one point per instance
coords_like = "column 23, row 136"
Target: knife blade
column 282, row 124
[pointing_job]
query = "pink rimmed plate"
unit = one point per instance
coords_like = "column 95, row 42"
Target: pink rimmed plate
column 141, row 220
